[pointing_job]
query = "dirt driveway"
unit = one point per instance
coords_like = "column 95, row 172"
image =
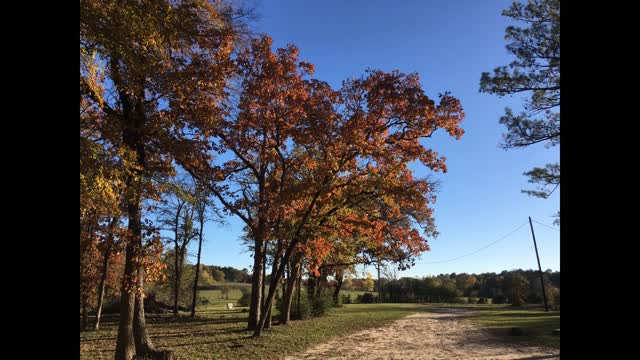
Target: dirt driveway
column 442, row 335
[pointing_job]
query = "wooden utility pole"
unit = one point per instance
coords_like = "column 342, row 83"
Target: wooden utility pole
column 544, row 295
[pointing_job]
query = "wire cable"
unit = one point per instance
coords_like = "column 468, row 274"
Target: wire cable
column 474, row 252
column 550, row 227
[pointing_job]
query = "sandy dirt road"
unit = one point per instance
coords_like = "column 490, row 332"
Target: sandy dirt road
column 442, row 335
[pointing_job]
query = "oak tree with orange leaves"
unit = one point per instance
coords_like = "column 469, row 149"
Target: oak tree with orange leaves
column 154, row 73
column 366, row 140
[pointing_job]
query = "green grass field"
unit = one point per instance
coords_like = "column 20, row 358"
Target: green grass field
column 217, row 333
column 216, row 302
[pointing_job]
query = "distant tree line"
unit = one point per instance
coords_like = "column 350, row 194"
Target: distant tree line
column 513, row 287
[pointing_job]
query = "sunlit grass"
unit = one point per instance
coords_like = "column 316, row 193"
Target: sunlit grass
column 217, row 333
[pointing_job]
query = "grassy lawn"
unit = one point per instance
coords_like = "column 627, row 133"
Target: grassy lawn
column 215, row 300
column 536, row 324
column 217, row 333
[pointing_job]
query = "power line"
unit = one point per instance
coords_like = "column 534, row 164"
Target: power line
column 474, row 252
column 550, row 227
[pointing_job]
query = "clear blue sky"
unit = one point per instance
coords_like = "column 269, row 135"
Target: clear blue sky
column 449, row 43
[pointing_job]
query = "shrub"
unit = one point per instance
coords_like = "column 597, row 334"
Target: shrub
column 203, row 301
column 472, row 300
column 305, row 308
column 518, row 300
column 482, row 301
column 337, row 303
column 499, row 299
column 320, row 305
column 366, row 298
column 245, row 299
column 346, row 299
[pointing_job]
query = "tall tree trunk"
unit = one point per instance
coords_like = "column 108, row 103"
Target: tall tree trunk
column 256, row 285
column 267, row 323
column 195, row 282
column 85, row 314
column 274, row 282
column 312, row 283
column 133, row 121
column 321, row 284
column 144, row 347
column 272, row 292
column 176, row 281
column 264, row 274
column 105, row 270
column 379, row 297
column 299, row 291
column 288, row 293
column 336, row 291
column 176, row 256
column 125, row 346
column 84, row 324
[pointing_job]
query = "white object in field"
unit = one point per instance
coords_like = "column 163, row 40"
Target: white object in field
column 229, row 306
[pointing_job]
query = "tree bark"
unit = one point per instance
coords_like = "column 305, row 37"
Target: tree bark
column 299, row 290
column 125, row 346
column 288, row 294
column 272, row 292
column 256, row 285
column 195, row 282
column 176, row 265
column 130, row 332
column 379, row 297
column 273, row 283
column 312, row 282
column 105, row 270
column 85, row 314
column 264, row 274
column 144, row 347
column 336, row 291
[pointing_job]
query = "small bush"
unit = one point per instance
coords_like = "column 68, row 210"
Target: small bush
column 337, row 303
column 460, row 300
column 517, row 301
column 203, row 301
column 346, row 299
column 366, row 298
column 320, row 305
column 245, row 299
column 482, row 301
column 305, row 308
column 499, row 299
column 472, row 300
